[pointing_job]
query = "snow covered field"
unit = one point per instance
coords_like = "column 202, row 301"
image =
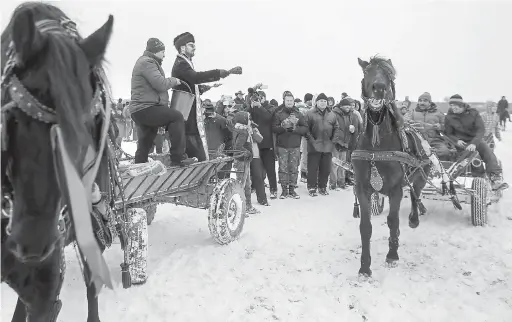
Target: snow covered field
column 298, row 261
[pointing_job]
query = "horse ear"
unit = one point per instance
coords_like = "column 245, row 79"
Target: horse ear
column 389, row 61
column 28, row 40
column 362, row 63
column 95, row 45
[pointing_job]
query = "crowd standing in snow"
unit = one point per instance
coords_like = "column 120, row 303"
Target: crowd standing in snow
column 301, row 136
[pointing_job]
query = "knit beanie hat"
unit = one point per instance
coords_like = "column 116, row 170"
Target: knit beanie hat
column 308, row 97
column 287, row 93
column 183, row 39
column 273, row 102
column 426, row 96
column 347, row 101
column 154, row 45
column 457, row 100
column 321, row 96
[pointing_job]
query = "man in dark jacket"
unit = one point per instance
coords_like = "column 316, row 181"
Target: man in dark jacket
column 503, row 112
column 263, row 116
column 322, row 128
column 183, row 69
column 289, row 127
column 149, row 105
column 465, row 126
column 349, row 129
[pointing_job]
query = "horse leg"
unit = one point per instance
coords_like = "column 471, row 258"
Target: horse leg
column 92, row 304
column 393, row 220
column 20, row 312
column 417, row 207
column 365, row 229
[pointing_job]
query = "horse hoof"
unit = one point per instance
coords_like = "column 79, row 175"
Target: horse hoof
column 391, row 262
column 365, row 273
column 414, row 223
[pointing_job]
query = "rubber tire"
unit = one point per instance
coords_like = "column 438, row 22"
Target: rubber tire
column 479, row 201
column 218, row 211
column 150, row 212
column 137, row 244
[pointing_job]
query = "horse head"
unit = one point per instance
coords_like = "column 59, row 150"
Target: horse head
column 50, row 75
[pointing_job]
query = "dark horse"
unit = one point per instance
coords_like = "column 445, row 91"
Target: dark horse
column 50, row 76
column 387, row 158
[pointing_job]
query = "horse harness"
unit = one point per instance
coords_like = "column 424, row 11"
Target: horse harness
column 83, row 191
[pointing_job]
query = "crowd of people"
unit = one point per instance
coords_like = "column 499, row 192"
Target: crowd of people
column 301, row 136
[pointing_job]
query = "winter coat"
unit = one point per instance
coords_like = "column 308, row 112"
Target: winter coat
column 241, row 141
column 344, row 138
column 184, row 72
column 217, row 132
column 428, row 117
column 263, row 116
column 322, row 129
column 149, row 86
column 502, row 106
column 288, row 138
column 467, row 126
column 492, row 123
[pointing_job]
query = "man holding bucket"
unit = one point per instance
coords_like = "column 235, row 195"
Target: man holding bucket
column 149, row 106
column 190, row 105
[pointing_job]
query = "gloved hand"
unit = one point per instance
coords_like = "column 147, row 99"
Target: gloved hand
column 236, row 70
column 223, row 73
column 290, row 129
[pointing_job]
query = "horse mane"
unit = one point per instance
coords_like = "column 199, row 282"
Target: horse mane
column 63, row 73
column 385, row 64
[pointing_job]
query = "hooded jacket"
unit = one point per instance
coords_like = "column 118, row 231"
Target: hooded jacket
column 428, row 117
column 343, row 136
column 467, row 126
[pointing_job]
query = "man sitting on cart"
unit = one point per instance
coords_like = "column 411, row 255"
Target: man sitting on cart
column 429, row 121
column 465, row 126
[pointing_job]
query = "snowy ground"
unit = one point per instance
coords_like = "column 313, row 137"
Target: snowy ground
column 298, row 261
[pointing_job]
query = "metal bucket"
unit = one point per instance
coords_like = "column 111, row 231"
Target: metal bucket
column 182, row 101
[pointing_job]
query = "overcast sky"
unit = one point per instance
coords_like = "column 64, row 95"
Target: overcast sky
column 312, row 46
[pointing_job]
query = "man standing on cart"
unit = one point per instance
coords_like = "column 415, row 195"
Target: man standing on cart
column 184, row 70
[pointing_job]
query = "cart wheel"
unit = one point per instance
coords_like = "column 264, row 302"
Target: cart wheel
column 479, row 201
column 137, row 247
column 377, row 204
column 150, row 212
column 226, row 215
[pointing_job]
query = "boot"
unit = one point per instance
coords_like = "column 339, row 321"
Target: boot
column 273, row 194
column 323, row 191
column 312, row 192
column 183, row 161
column 292, row 193
column 285, row 192
column 497, row 182
column 303, row 176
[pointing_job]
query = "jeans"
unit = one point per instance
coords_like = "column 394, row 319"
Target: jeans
column 149, row 120
column 245, row 179
column 257, row 180
column 337, row 177
column 319, row 167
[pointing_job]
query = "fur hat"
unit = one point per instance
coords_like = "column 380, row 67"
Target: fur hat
column 321, row 96
column 154, row 45
column 457, row 100
column 183, row 39
column 308, row 97
column 426, row 96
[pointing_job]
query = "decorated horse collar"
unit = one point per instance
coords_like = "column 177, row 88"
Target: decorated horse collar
column 26, row 102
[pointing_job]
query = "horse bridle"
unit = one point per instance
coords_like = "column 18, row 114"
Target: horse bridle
column 384, row 102
column 20, row 98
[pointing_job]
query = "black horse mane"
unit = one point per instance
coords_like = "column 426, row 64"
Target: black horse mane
column 384, row 64
column 59, row 74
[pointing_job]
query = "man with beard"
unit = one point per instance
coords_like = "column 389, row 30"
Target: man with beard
column 429, row 121
column 183, row 70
